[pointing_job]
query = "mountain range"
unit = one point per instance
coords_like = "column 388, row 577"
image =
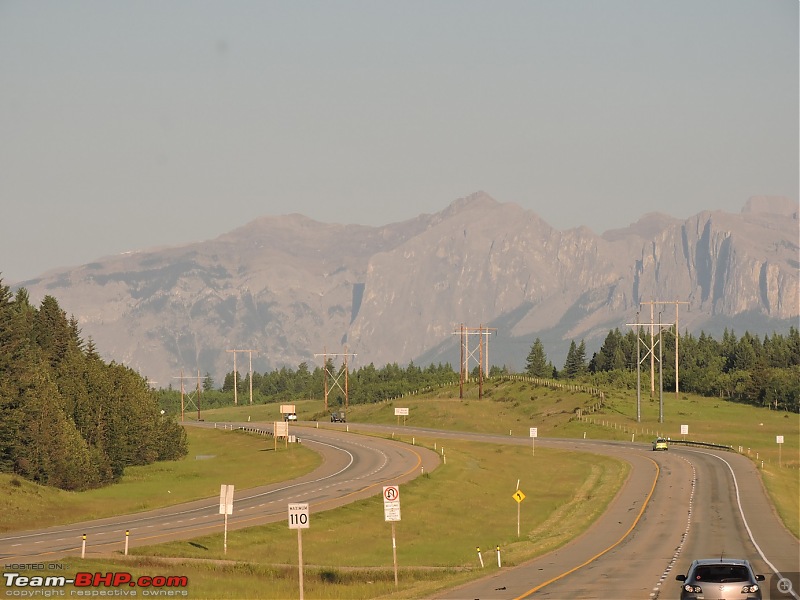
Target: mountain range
column 283, row 290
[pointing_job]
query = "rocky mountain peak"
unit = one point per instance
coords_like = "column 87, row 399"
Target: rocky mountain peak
column 292, row 287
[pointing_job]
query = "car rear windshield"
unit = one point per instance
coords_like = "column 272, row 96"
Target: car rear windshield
column 722, row 573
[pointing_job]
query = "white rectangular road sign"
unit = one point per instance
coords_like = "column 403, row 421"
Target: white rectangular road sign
column 280, row 429
column 391, row 503
column 226, row 499
column 298, row 516
column 779, row 439
column 684, row 430
column 400, row 412
column 287, row 409
column 534, row 431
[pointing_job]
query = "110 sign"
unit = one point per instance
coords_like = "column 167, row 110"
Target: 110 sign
column 298, row 516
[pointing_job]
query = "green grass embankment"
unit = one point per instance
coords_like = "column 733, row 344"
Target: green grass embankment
column 463, row 504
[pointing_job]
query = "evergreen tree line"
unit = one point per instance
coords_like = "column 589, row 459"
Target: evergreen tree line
column 762, row 372
column 285, row 385
column 68, row 419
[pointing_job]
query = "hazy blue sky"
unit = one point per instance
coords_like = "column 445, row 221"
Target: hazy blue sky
column 125, row 125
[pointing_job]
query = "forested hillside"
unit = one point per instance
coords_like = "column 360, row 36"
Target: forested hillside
column 68, row 419
column 763, row 372
column 749, row 369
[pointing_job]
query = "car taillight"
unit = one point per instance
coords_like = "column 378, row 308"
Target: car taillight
column 749, row 589
column 693, row 589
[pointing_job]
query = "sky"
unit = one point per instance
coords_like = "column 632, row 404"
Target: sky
column 129, row 125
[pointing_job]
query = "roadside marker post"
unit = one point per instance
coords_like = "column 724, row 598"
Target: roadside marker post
column 127, row 534
column 225, row 508
column 298, row 519
column 83, row 546
column 534, row 434
column 779, row 441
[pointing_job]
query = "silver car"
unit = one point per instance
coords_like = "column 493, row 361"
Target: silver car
column 720, row 579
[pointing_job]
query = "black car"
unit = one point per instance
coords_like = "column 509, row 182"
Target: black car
column 338, row 417
column 720, row 579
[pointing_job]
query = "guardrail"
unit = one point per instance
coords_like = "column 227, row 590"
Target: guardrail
column 701, row 444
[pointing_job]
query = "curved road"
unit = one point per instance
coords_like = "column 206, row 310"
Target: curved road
column 353, row 467
column 675, row 506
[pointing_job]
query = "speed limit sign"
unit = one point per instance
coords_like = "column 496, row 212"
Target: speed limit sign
column 298, row 516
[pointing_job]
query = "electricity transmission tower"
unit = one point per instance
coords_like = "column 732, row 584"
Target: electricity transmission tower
column 640, row 359
column 335, row 376
column 677, row 337
column 189, row 397
column 466, row 354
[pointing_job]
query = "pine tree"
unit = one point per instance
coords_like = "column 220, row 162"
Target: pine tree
column 580, row 358
column 570, row 365
column 537, row 364
column 575, row 364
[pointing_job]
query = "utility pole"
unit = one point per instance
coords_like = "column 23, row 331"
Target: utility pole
column 336, row 377
column 677, row 303
column 235, row 384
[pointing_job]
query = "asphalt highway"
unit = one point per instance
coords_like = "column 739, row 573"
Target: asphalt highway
column 675, row 506
column 354, row 467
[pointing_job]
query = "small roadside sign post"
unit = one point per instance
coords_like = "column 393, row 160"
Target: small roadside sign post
column 225, row 508
column 779, row 441
column 398, row 412
column 519, row 497
column 391, row 512
column 298, row 519
column 684, row 430
column 534, row 435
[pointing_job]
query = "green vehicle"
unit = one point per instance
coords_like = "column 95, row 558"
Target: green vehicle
column 660, row 444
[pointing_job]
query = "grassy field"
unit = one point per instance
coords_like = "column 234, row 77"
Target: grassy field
column 447, row 513
column 214, row 456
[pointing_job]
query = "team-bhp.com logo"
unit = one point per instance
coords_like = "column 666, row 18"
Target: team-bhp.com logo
column 94, row 584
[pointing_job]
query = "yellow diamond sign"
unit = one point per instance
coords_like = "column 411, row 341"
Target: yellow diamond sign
column 519, row 496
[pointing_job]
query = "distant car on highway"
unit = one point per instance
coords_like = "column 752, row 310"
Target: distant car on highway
column 338, row 417
column 660, row 444
column 720, row 579
column 290, row 417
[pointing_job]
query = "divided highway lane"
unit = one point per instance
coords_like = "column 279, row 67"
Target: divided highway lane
column 676, row 506
column 354, row 467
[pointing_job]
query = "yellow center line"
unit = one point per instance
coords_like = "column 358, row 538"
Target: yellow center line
column 611, row 547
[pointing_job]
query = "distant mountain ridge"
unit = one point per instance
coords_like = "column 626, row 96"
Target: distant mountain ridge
column 291, row 288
